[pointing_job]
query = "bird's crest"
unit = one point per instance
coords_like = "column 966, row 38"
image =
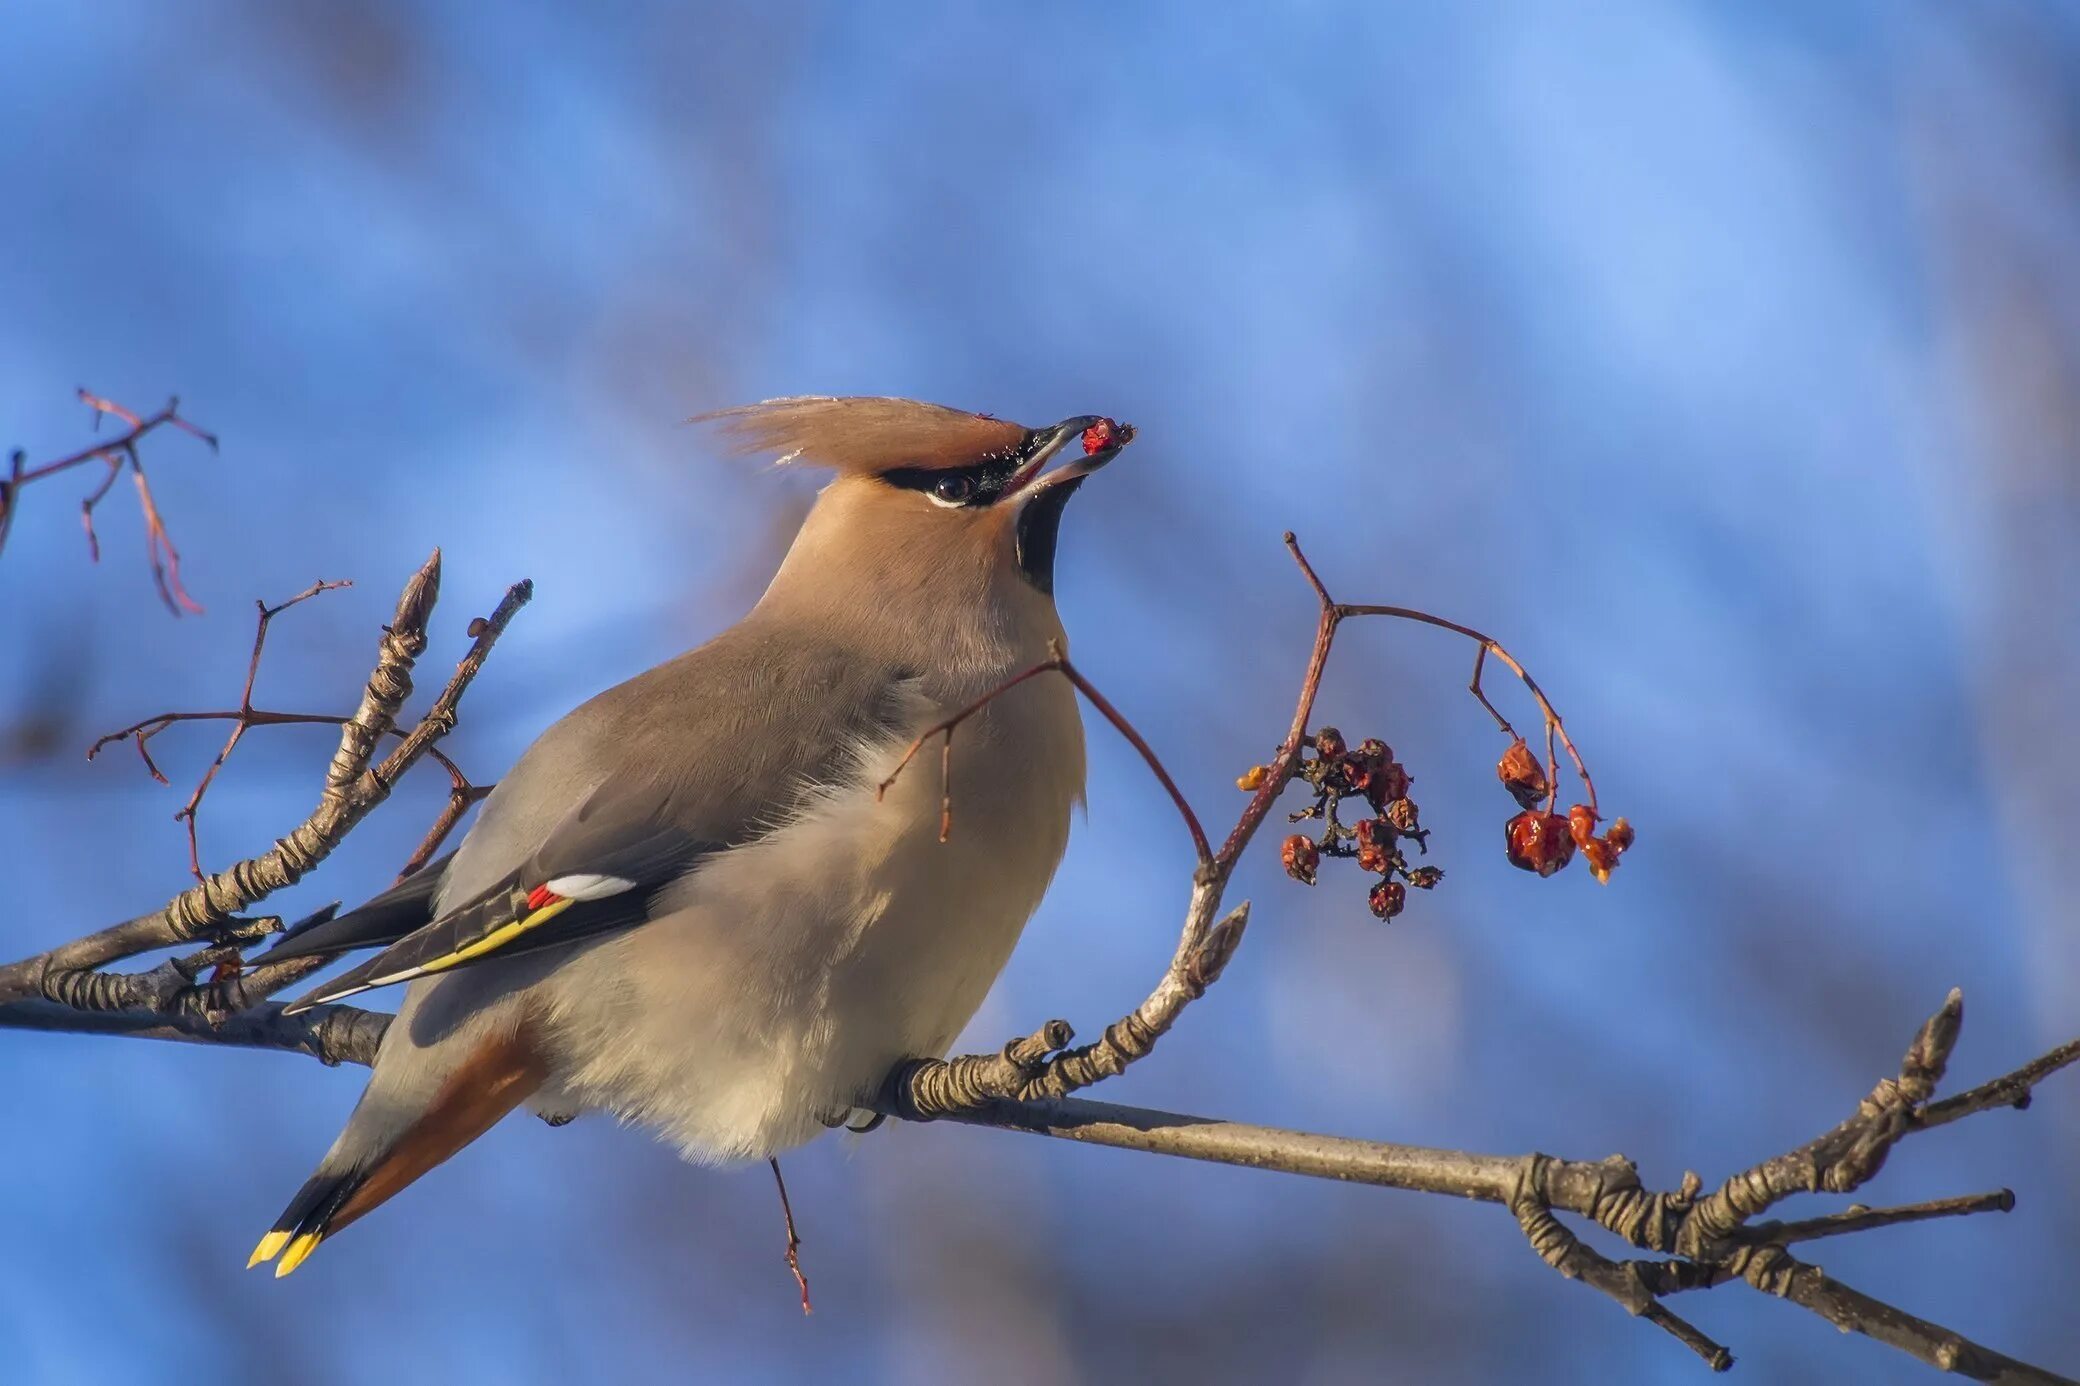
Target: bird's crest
column 864, row 433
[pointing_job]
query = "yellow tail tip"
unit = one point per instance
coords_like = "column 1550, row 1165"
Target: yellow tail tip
column 270, row 1244
column 298, row 1249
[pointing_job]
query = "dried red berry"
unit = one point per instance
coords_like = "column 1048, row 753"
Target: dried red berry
column 1375, row 750
column 1581, row 824
column 1402, row 814
column 1386, row 784
column 1355, row 772
column 1602, row 859
column 1425, row 877
column 1301, row 857
column 1522, row 775
column 1375, row 846
column 1328, row 743
column 1538, row 842
column 1387, row 899
column 1098, row 436
column 1619, row 835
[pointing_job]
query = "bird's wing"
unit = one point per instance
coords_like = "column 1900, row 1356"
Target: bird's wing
column 596, row 875
column 384, row 920
column 697, row 756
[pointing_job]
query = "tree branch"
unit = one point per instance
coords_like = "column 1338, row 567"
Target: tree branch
column 1693, row 1240
column 353, row 788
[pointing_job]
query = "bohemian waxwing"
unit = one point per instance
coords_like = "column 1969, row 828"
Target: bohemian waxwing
column 686, row 905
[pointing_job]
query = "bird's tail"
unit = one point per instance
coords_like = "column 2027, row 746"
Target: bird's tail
column 501, row 1072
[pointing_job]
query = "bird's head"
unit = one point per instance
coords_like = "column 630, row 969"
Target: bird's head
column 924, row 491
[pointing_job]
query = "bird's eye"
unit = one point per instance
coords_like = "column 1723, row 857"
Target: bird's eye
column 954, row 489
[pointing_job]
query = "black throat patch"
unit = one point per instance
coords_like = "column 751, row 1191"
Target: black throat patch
column 1039, row 529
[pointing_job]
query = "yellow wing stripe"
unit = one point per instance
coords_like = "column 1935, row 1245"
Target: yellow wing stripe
column 491, row 942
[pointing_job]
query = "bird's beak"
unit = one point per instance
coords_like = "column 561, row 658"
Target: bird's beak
column 1028, row 482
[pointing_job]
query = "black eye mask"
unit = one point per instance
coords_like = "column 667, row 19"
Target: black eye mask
column 968, row 487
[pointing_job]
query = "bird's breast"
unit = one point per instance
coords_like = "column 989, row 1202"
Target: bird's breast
column 783, row 980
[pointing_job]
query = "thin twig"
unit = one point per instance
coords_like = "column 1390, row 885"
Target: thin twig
column 1555, row 727
column 794, row 1242
column 243, row 720
column 353, row 788
column 1862, row 1219
column 461, row 798
column 1056, row 663
column 2008, row 1090
column 116, row 453
column 142, row 732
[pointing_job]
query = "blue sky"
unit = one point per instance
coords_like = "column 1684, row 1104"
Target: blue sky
column 1720, row 360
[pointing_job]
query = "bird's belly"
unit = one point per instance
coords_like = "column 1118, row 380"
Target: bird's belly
column 795, row 973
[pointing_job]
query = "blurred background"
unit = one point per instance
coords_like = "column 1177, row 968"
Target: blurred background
column 1723, row 361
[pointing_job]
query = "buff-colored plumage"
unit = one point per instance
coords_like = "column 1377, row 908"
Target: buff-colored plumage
column 785, row 934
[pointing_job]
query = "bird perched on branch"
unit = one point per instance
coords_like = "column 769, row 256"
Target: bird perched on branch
column 687, row 905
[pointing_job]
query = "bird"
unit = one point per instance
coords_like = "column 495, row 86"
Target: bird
column 690, row 905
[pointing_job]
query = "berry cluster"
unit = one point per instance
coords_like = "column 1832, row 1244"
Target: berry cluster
column 1369, row 773
column 1541, row 840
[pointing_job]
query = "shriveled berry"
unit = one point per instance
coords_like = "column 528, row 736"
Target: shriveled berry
column 1619, row 835
column 1375, row 845
column 1602, row 859
column 1402, row 814
column 1329, row 743
column 1538, row 842
column 1387, row 899
column 1425, row 877
column 1301, row 857
column 1522, row 775
column 1581, row 824
column 1386, row 784
column 1354, row 772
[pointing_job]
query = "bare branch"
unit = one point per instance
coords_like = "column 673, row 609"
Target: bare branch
column 2009, row 1090
column 1694, row 1240
column 329, row 1034
column 1209, row 938
column 243, row 718
column 116, row 454
column 352, row 790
